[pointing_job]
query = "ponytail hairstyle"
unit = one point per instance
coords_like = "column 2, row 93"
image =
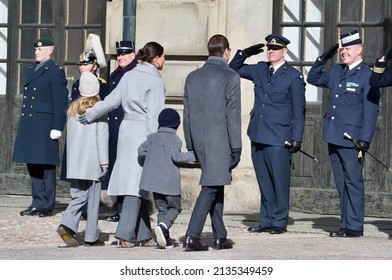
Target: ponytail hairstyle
column 150, row 51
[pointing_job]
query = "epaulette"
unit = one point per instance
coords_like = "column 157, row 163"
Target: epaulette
column 102, row 80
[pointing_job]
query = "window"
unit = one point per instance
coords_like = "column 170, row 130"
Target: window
column 3, row 45
column 67, row 22
column 313, row 26
column 303, row 23
column 86, row 17
column 36, row 21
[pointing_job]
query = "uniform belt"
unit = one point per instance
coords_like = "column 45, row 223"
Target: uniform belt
column 135, row 117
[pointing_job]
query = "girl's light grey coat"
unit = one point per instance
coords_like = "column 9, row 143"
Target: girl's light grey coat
column 160, row 153
column 87, row 148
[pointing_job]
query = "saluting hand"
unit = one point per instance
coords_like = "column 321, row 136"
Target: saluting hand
column 252, row 50
column 388, row 53
column 330, row 52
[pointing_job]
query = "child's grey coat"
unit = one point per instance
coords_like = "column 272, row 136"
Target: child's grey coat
column 160, row 152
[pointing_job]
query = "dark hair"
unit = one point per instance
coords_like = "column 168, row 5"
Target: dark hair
column 217, row 44
column 150, row 51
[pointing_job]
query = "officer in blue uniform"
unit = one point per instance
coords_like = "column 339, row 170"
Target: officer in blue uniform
column 45, row 101
column 88, row 61
column 126, row 61
column 380, row 78
column 352, row 108
column 278, row 115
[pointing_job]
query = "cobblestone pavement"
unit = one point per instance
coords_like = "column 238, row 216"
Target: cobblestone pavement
column 35, row 238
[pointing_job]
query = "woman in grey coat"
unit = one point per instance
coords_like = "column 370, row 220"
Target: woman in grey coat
column 141, row 93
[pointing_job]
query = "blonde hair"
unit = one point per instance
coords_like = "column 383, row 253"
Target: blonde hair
column 79, row 106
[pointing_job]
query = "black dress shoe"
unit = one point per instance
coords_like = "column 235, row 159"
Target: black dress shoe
column 340, row 233
column 193, row 244
column 114, row 218
column 31, row 211
column 222, row 243
column 277, row 230
column 390, row 237
column 259, row 229
column 97, row 242
column 45, row 213
column 353, row 233
column 68, row 236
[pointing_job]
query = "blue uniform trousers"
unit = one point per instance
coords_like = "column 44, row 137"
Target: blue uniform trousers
column 272, row 165
column 347, row 171
column 43, row 185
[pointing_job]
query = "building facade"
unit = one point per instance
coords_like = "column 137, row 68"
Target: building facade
column 183, row 28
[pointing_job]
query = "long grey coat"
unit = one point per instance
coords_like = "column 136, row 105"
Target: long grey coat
column 212, row 119
column 87, row 148
column 141, row 93
column 160, row 153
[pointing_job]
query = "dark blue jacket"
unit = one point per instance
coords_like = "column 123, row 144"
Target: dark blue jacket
column 45, row 101
column 383, row 79
column 278, row 113
column 353, row 104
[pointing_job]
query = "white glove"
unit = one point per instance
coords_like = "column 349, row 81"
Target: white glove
column 55, row 134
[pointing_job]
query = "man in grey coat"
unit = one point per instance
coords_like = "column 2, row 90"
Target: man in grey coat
column 212, row 129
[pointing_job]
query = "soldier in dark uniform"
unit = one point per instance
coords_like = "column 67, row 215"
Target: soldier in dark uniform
column 126, row 61
column 353, row 106
column 278, row 115
column 87, row 63
column 380, row 78
column 45, row 101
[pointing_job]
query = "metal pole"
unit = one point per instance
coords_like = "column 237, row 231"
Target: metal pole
column 129, row 20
